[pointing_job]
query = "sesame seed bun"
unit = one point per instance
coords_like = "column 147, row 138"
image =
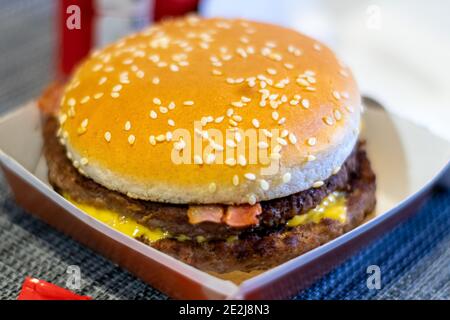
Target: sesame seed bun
column 129, row 112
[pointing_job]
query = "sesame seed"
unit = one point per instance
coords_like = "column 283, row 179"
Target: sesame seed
column 98, row 95
column 267, row 133
column 131, row 139
column 188, row 103
column 252, row 199
column 282, row 121
column 263, row 145
column 97, row 67
column 271, row 71
column 237, row 104
column 171, row 123
column 328, row 120
column 102, row 80
column 317, row 47
column 336, row 95
column 238, row 137
column 212, row 187
column 237, row 118
column 312, row 141
column 302, row 82
column 115, row 95
column 84, row 161
column 155, row 80
column 286, row 177
column 216, row 72
column 235, row 180
column 275, row 115
column 318, row 184
column 210, row 158
column 255, row 123
column 84, row 123
column 160, row 138
column 241, row 160
column 250, row 176
column 294, row 102
column 216, row 146
column 231, row 143
column 292, row 138
column 140, row 74
column 107, row 136
column 71, row 102
column 282, row 141
column 233, row 123
column 219, row 119
column 85, row 99
column 117, row 87
column 156, row 101
column 127, row 126
column 305, row 103
column 264, row 184
column 310, row 158
column 349, row 109
column 337, row 115
column 163, row 110
column 81, row 130
column 174, row 68
column 153, row 114
column 198, row 159
column 288, row 66
column 230, row 162
column 171, row 105
column 109, row 69
column 62, row 119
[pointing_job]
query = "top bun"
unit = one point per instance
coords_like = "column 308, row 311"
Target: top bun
column 273, row 112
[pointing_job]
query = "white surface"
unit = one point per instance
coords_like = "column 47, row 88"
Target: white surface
column 399, row 50
column 405, row 158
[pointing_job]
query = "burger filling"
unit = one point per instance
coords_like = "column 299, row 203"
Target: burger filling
column 151, row 221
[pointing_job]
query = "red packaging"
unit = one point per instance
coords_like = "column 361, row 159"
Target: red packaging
column 87, row 24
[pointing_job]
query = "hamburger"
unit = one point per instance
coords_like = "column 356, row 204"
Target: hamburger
column 229, row 144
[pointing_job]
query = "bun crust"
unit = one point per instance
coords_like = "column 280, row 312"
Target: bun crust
column 267, row 97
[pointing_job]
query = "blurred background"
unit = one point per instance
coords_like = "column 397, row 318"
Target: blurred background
column 399, row 50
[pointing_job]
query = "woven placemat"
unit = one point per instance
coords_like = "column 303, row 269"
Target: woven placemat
column 414, row 258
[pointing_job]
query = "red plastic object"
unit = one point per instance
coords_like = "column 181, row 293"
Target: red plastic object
column 35, row 289
column 173, row 8
column 74, row 44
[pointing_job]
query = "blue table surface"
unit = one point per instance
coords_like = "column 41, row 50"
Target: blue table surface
column 414, row 258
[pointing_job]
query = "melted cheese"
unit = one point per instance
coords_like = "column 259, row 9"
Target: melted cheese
column 332, row 207
column 120, row 222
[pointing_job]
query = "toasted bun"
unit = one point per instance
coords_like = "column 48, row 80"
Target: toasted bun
column 126, row 107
